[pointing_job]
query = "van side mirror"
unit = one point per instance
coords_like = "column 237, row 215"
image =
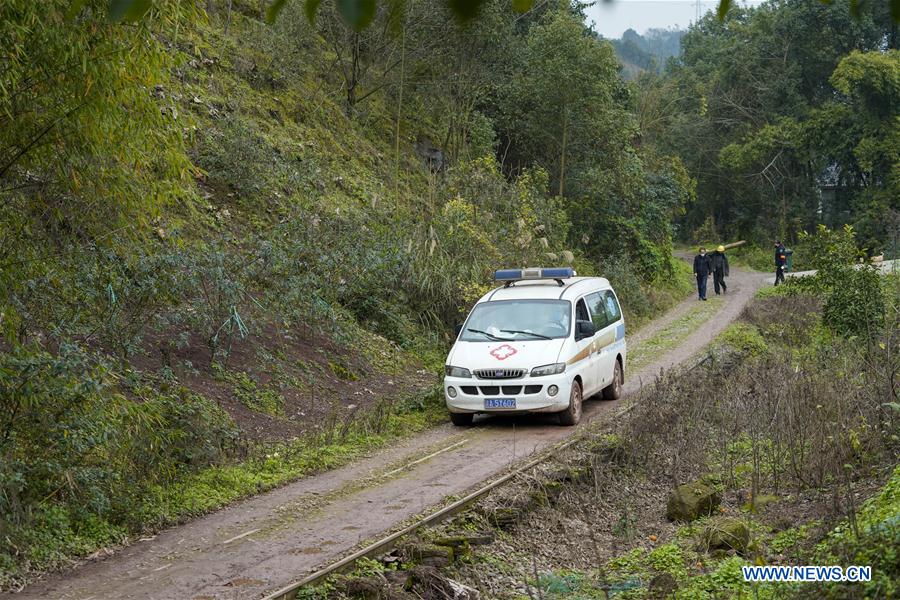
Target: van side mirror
column 584, row 329
column 457, row 330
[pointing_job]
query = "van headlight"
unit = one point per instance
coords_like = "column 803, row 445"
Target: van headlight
column 554, row 369
column 456, row 372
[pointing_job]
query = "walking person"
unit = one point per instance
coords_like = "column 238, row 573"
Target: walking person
column 719, row 263
column 780, row 261
column 702, row 268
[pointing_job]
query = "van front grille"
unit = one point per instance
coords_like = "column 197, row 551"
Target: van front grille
column 499, row 373
column 490, row 390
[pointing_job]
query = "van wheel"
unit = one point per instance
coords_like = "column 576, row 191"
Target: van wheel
column 572, row 415
column 614, row 390
column 461, row 419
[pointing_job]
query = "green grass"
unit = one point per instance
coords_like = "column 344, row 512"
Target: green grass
column 673, row 334
column 216, row 487
column 752, row 257
column 743, row 338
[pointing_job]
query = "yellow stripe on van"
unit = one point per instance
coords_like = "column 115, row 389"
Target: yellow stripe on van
column 598, row 344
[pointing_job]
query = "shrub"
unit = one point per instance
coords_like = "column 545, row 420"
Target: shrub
column 854, row 298
column 745, row 339
column 784, row 319
column 620, row 272
column 77, row 454
column 855, row 302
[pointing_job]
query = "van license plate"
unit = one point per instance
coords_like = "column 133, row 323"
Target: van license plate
column 500, row 403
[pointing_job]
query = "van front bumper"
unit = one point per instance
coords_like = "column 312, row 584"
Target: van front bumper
column 530, row 393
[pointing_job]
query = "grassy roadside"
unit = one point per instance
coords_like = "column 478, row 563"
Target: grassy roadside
column 217, row 487
column 673, row 334
column 644, row 302
column 57, row 536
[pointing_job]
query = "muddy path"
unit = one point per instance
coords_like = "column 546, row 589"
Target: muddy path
column 266, row 542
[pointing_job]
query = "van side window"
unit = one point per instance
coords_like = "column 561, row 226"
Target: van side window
column 581, row 312
column 612, row 307
column 598, row 311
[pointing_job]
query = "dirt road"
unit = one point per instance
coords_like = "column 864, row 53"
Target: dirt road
column 266, row 542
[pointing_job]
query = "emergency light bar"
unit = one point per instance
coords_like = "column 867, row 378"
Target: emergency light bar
column 509, row 276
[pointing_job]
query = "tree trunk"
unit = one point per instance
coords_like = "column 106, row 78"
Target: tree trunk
column 399, row 107
column 228, row 18
column 562, row 156
column 354, row 75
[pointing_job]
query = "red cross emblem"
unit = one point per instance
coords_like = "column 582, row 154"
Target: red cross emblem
column 503, row 352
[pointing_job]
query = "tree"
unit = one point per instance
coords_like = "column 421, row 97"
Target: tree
column 359, row 13
column 858, row 134
column 84, row 137
column 560, row 101
column 747, row 89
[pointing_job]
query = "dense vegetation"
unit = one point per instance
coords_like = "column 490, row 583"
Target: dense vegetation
column 216, row 233
column 785, row 114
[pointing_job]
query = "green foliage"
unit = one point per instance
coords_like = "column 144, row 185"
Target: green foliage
column 876, row 544
column 247, row 390
column 859, row 132
column 745, row 339
column 855, row 305
column 706, row 234
column 342, row 371
column 727, row 579
column 791, row 539
column 668, row 558
column 643, row 299
column 77, row 455
column 854, row 297
column 831, row 250
column 367, row 567
column 84, row 145
column 813, row 145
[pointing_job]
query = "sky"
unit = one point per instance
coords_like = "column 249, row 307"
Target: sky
column 611, row 19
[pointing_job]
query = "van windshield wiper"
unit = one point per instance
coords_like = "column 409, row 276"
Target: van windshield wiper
column 490, row 335
column 537, row 335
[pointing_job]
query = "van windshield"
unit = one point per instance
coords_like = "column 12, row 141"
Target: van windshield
column 518, row 320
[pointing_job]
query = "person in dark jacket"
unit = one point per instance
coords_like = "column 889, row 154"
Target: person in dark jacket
column 780, row 261
column 702, row 269
column 719, row 263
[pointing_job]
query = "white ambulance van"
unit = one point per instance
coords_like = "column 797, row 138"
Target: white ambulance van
column 540, row 343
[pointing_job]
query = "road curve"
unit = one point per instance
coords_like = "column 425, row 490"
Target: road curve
column 264, row 543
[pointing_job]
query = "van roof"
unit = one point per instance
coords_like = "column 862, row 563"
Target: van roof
column 542, row 289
